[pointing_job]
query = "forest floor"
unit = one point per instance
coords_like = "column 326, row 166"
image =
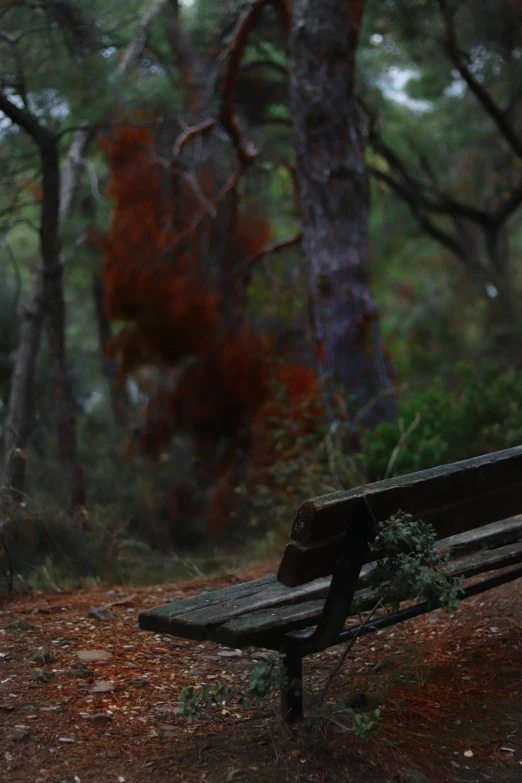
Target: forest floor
column 450, row 685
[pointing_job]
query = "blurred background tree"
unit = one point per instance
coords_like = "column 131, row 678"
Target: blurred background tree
column 195, row 385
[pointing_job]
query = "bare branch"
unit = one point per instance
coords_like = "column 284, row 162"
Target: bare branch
column 17, row 273
column 417, row 208
column 190, row 133
column 247, row 22
column 268, row 249
column 135, row 46
column 20, row 73
column 193, row 72
column 493, row 110
column 27, row 121
column 508, row 207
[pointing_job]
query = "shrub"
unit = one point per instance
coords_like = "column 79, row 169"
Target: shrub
column 407, row 567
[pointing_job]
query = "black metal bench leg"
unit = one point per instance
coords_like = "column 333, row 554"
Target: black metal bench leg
column 292, row 695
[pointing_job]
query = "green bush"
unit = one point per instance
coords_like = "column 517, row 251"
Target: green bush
column 407, row 566
column 42, row 547
column 480, row 413
column 475, row 413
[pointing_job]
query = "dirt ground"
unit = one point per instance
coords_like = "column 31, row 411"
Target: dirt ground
column 105, row 709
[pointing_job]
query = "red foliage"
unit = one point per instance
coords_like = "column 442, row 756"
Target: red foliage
column 164, row 229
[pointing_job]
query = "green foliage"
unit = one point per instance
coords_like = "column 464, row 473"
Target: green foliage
column 363, row 724
column 480, row 414
column 407, row 567
column 42, row 547
column 264, row 680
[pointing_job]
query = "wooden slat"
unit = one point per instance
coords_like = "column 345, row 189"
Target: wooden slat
column 453, row 498
column 265, row 627
column 190, row 617
column 221, row 614
column 302, row 562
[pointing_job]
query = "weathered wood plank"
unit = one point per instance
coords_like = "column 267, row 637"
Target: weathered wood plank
column 266, row 627
column 448, row 496
column 218, row 606
column 302, row 563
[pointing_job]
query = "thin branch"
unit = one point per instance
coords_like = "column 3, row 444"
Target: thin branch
column 411, row 198
column 247, row 22
column 508, row 207
column 192, row 69
column 337, row 668
column 493, row 110
column 18, row 275
column 190, row 133
column 266, row 250
column 255, row 64
column 405, row 434
column 20, row 74
column 27, row 121
column 135, row 46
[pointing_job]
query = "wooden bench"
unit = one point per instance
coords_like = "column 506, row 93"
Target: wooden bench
column 471, row 506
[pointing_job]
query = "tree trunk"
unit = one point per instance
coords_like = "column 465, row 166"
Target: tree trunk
column 55, row 304
column 19, row 421
column 333, row 190
column 502, row 316
column 118, row 396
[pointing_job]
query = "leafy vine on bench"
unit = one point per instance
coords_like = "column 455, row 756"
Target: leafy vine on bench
column 406, row 566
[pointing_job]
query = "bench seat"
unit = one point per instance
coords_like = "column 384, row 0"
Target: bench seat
column 261, row 612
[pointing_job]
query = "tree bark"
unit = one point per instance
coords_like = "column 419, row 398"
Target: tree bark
column 118, row 395
column 502, row 315
column 19, row 422
column 20, row 416
column 54, row 301
column 333, row 191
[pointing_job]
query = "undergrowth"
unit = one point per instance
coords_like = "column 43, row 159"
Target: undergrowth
column 406, row 567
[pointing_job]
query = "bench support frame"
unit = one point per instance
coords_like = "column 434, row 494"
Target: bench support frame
column 294, row 652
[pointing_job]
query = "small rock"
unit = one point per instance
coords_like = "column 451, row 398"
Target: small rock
column 263, row 656
column 41, row 675
column 19, row 625
column 139, row 682
column 88, row 656
column 101, row 613
column 167, row 728
column 83, row 685
column 18, row 735
column 230, row 654
column 102, row 686
column 42, row 655
column 8, row 756
column 6, row 707
column 54, row 708
column 78, row 669
column 100, row 717
column 163, row 712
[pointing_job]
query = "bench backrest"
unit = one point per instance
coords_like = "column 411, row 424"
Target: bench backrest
column 453, row 498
